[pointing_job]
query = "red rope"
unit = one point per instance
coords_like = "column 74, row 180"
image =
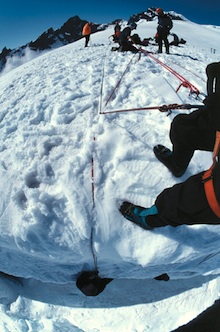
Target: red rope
column 177, row 64
column 184, row 81
column 119, row 81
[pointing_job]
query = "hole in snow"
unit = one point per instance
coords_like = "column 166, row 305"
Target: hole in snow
column 21, row 199
column 32, row 181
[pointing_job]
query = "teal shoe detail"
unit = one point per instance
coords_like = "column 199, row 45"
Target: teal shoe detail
column 137, row 214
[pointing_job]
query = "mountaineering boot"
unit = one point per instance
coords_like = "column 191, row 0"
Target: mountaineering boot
column 164, row 155
column 137, row 214
column 114, row 48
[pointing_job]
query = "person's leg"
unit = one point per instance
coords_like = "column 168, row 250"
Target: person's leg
column 182, row 131
column 160, row 43
column 166, row 43
column 178, row 158
column 123, row 46
column 132, row 48
column 186, row 203
column 137, row 214
column 165, row 156
column 87, row 40
column 188, row 132
column 183, row 204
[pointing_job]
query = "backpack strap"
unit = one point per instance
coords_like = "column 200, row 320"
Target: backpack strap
column 207, row 179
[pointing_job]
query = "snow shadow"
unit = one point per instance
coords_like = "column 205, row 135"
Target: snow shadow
column 119, row 293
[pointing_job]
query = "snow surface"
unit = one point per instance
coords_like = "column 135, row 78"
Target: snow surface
column 64, row 168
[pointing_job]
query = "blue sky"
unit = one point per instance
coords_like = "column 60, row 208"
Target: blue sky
column 24, row 20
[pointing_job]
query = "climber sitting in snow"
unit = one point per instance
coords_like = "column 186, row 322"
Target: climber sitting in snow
column 194, row 131
column 186, row 203
column 125, row 39
column 195, row 201
column 175, row 41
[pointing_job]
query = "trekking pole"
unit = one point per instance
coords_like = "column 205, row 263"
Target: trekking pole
column 93, row 211
column 163, row 108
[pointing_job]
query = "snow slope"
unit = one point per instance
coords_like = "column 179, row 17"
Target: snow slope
column 65, row 166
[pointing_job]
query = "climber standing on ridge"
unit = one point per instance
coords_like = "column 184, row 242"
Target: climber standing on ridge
column 117, row 30
column 165, row 24
column 87, row 32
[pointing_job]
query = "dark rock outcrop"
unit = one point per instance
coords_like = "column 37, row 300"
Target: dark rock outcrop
column 70, row 31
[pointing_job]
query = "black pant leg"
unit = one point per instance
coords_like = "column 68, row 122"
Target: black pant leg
column 190, row 132
column 160, row 43
column 166, row 43
column 87, row 40
column 186, row 203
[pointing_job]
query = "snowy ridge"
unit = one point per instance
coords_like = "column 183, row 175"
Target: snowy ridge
column 51, row 130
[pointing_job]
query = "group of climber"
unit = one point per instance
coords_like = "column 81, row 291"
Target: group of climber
column 196, row 200
column 127, row 42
